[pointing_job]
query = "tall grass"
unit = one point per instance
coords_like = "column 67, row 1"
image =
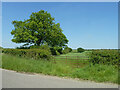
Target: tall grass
column 36, row 66
column 101, row 73
column 98, row 73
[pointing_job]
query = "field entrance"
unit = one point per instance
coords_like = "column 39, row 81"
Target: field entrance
column 73, row 59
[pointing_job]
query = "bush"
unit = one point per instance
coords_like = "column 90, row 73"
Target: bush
column 56, row 50
column 53, row 51
column 80, row 50
column 29, row 53
column 66, row 50
column 104, row 57
column 70, row 49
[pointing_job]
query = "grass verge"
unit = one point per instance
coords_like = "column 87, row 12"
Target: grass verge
column 98, row 73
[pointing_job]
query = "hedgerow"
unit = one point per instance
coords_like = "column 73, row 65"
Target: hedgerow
column 104, row 57
column 29, row 53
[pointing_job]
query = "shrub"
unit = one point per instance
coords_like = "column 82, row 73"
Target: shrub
column 57, row 53
column 104, row 57
column 45, row 47
column 70, row 49
column 29, row 53
column 66, row 50
column 80, row 50
column 56, row 50
column 53, row 51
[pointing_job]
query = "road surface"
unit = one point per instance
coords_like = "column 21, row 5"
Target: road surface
column 12, row 79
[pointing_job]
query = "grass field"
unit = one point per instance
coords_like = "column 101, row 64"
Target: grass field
column 98, row 73
column 74, row 59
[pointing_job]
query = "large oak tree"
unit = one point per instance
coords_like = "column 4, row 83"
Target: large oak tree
column 40, row 28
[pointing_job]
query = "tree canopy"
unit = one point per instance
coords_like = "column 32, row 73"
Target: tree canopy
column 39, row 29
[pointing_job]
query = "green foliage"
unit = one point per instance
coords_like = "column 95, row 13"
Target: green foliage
column 46, row 47
column 66, row 50
column 99, row 73
column 53, row 51
column 1, row 48
column 70, row 49
column 38, row 30
column 88, row 49
column 34, row 66
column 104, row 57
column 80, row 50
column 29, row 53
column 23, row 47
column 35, row 47
column 74, row 51
column 56, row 50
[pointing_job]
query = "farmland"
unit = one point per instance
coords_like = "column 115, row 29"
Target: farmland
column 73, row 59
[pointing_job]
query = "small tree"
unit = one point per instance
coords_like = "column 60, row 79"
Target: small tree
column 80, row 50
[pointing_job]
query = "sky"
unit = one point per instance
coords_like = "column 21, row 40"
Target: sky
column 90, row 25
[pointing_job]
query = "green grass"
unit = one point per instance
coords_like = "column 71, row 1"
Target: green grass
column 98, row 73
column 74, row 59
column 101, row 73
column 31, row 65
column 76, row 54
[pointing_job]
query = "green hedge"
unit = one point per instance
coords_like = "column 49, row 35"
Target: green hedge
column 53, row 50
column 29, row 53
column 104, row 57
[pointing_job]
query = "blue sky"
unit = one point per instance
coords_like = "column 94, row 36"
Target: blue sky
column 87, row 25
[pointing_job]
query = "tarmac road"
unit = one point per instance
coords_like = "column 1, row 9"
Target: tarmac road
column 12, row 79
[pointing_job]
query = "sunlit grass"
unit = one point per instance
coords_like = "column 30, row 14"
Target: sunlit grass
column 98, row 73
column 74, row 59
